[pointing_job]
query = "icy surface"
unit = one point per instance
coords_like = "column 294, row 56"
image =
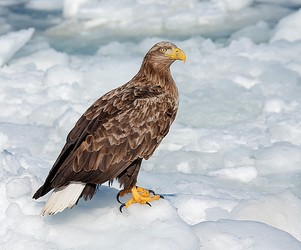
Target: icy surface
column 12, row 42
column 287, row 28
column 230, row 167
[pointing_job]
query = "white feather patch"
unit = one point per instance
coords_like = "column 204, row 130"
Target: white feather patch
column 63, row 197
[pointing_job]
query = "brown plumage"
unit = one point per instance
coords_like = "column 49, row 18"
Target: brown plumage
column 120, row 129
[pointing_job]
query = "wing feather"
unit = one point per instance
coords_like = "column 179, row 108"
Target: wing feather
column 122, row 126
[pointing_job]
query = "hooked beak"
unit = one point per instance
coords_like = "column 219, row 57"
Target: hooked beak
column 177, row 54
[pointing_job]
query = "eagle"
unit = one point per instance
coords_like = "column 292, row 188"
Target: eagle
column 115, row 134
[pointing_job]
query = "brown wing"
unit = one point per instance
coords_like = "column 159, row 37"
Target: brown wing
column 122, row 126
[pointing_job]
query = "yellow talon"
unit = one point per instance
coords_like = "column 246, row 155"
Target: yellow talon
column 139, row 195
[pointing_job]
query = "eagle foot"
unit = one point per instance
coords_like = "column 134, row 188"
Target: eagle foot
column 139, row 195
column 139, row 189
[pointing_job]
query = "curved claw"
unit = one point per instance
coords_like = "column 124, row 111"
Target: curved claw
column 148, row 204
column 117, row 198
column 121, row 207
column 151, row 191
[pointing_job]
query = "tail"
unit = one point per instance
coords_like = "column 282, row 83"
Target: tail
column 63, row 197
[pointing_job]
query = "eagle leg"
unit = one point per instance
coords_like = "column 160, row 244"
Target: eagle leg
column 139, row 195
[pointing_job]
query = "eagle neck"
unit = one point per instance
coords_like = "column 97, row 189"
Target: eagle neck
column 157, row 73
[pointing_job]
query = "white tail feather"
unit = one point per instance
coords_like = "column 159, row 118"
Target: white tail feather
column 63, row 197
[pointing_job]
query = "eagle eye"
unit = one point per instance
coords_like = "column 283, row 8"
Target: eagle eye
column 163, row 50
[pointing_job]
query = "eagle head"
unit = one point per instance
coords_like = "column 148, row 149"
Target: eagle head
column 165, row 53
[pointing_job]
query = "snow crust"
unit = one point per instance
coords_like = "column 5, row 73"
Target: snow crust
column 229, row 168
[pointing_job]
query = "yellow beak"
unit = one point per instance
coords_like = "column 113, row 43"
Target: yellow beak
column 177, row 54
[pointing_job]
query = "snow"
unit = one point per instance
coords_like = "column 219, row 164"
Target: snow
column 229, row 169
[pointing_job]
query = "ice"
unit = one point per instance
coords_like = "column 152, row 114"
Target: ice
column 12, row 42
column 44, row 4
column 11, row 2
column 275, row 106
column 243, row 174
column 259, row 32
column 279, row 211
column 287, row 28
column 71, row 7
column 18, row 187
column 229, row 169
column 4, row 141
column 280, row 157
column 14, row 211
column 44, row 59
column 241, row 235
column 194, row 210
column 233, row 5
column 101, row 20
column 160, row 226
